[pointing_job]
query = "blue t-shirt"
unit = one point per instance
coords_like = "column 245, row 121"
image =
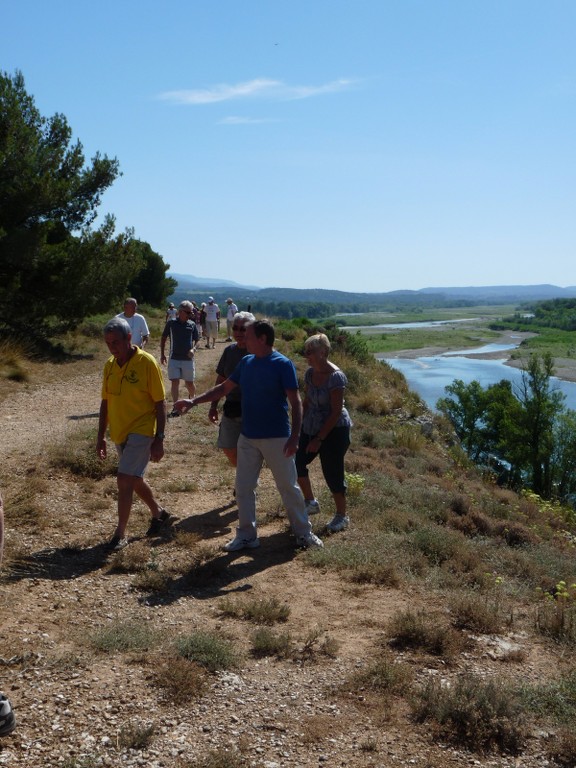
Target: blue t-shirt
column 264, row 381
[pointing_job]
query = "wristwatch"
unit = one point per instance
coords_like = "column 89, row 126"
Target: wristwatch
column 159, row 435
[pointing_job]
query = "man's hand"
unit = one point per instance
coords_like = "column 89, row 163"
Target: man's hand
column 291, row 446
column 184, row 405
column 101, row 448
column 156, row 449
column 213, row 413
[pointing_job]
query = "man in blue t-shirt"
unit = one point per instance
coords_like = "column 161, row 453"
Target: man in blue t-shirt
column 268, row 383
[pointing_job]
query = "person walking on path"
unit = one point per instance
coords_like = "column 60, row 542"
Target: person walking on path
column 230, row 312
column 212, row 319
column 171, row 312
column 184, row 337
column 268, row 382
column 7, row 718
column 231, row 422
column 325, row 429
column 133, row 408
column 137, row 323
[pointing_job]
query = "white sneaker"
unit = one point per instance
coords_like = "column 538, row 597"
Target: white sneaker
column 311, row 540
column 240, row 543
column 338, row 523
column 312, row 507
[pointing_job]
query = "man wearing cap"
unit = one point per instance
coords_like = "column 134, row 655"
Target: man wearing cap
column 171, row 312
column 232, row 309
column 184, row 337
column 212, row 318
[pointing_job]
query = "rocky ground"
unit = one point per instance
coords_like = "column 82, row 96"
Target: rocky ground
column 77, row 707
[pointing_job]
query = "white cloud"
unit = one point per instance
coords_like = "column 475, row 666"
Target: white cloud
column 260, row 88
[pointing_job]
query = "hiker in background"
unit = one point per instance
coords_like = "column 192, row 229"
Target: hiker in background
column 137, row 323
column 7, row 719
column 133, row 408
column 325, row 429
column 268, row 382
column 231, row 422
column 184, row 337
column 171, row 312
column 197, row 317
column 230, row 312
column 212, row 320
column 202, row 321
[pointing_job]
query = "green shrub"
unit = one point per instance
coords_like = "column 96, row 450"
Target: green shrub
column 266, row 642
column 207, row 649
column 125, row 635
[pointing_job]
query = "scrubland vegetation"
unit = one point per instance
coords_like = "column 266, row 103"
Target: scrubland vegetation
column 479, row 580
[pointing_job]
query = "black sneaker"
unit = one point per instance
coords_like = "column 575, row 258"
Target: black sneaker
column 117, row 543
column 158, row 524
column 7, row 719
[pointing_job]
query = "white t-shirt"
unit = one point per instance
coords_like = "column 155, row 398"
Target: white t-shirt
column 232, row 309
column 212, row 311
column 138, row 327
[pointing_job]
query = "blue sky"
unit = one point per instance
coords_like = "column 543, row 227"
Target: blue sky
column 365, row 145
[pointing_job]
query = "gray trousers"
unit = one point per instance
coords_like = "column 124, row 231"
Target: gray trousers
column 251, row 455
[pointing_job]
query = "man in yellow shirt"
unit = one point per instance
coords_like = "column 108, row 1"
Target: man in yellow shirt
column 133, row 408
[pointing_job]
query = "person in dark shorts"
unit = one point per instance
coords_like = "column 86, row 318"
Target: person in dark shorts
column 231, row 421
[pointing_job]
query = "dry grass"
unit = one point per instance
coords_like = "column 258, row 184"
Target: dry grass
column 478, row 714
column 418, row 630
column 262, row 611
column 182, row 680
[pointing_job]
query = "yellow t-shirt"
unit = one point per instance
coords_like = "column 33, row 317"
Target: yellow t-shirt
column 132, row 392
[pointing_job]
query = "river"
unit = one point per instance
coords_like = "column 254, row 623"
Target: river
column 428, row 376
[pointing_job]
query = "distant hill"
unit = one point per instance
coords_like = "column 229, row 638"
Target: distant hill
column 507, row 293
column 492, row 294
column 195, row 283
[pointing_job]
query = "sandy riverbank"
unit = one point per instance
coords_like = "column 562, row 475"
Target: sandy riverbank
column 565, row 368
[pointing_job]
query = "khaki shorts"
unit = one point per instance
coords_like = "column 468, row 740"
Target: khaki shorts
column 229, row 432
column 134, row 454
column 181, row 369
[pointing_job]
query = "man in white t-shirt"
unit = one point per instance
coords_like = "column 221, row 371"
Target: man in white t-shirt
column 212, row 317
column 230, row 312
column 137, row 323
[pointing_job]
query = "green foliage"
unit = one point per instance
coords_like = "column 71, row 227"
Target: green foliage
column 210, row 650
column 129, row 635
column 527, row 427
column 151, row 285
column 50, row 257
column 266, row 642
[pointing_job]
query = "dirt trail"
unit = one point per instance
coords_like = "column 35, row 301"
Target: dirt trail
column 73, row 704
